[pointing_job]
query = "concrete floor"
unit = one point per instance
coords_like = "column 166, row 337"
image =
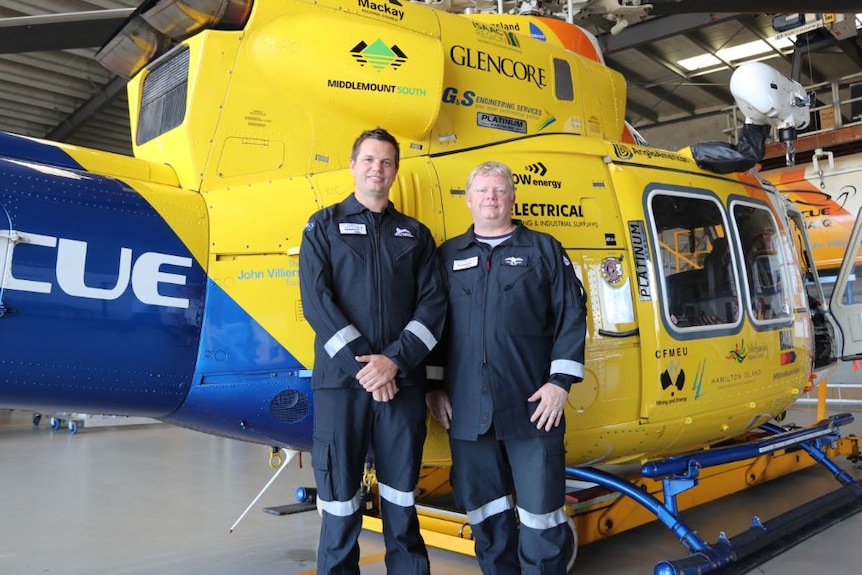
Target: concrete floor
column 147, row 499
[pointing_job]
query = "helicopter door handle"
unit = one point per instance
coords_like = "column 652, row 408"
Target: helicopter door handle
column 628, row 333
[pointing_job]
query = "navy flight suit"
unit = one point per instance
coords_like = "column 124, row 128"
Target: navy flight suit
column 516, row 320
column 369, row 285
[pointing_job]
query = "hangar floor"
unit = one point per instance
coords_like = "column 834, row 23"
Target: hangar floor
column 144, row 499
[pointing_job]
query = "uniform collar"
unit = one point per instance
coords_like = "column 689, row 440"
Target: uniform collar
column 520, row 237
column 351, row 206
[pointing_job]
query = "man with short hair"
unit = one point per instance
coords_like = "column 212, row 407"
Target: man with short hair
column 513, row 346
column 372, row 290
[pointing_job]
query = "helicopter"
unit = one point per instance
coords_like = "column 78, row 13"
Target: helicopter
column 165, row 285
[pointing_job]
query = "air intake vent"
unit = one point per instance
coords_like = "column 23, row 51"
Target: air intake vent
column 163, row 102
column 289, row 406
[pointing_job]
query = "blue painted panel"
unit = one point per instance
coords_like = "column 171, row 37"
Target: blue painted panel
column 273, row 408
column 14, row 146
column 248, row 386
column 233, row 341
column 104, row 304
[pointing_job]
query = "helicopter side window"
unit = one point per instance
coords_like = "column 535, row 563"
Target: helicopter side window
column 697, row 261
column 764, row 263
column 563, row 84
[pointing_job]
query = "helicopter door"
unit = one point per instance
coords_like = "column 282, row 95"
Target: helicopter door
column 846, row 302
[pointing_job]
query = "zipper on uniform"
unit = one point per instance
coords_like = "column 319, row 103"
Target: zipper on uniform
column 378, row 284
column 485, row 307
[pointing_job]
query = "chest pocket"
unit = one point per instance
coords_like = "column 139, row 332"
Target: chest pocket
column 400, row 250
column 465, row 295
column 351, row 244
column 524, row 291
column 513, row 271
column 351, row 241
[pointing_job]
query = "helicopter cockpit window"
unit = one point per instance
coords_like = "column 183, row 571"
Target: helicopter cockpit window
column 563, row 86
column 763, row 262
column 697, row 261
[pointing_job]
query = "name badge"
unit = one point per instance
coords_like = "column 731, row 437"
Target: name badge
column 465, row 264
column 352, row 229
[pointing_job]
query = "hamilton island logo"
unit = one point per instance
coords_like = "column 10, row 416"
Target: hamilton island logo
column 378, row 55
column 739, row 352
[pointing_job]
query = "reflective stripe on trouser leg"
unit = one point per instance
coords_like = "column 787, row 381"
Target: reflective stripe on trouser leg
column 341, row 508
column 497, row 543
column 545, row 551
column 402, row 498
column 481, row 478
column 405, row 548
column 495, row 532
column 544, row 540
column 542, row 520
column 398, row 433
column 338, row 548
column 342, row 419
column 499, row 505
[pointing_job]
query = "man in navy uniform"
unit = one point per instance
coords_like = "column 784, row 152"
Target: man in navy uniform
column 513, row 346
column 372, row 290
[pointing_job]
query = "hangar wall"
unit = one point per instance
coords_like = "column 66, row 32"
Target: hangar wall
column 676, row 135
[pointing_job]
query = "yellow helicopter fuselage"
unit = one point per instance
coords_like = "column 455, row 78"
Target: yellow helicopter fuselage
column 240, row 135
column 282, row 101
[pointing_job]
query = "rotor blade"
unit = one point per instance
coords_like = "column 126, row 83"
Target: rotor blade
column 60, row 31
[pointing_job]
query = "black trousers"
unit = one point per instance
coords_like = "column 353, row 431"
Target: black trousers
column 347, row 424
column 491, row 477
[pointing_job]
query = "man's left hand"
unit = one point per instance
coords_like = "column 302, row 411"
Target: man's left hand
column 386, row 392
column 552, row 401
column 377, row 372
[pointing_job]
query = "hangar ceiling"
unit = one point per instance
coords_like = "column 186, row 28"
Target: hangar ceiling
column 51, row 86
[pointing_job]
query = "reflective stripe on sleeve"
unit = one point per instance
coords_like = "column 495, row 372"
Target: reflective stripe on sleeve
column 392, row 495
column 423, row 333
column 341, row 338
column 567, row 367
column 499, row 505
column 342, row 508
column 542, row 520
column 435, row 372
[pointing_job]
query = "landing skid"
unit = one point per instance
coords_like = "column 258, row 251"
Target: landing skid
column 290, row 509
column 681, row 473
column 663, row 489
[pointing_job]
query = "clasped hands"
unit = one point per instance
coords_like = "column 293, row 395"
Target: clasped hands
column 377, row 376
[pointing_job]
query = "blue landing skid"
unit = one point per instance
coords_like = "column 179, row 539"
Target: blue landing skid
column 680, row 473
